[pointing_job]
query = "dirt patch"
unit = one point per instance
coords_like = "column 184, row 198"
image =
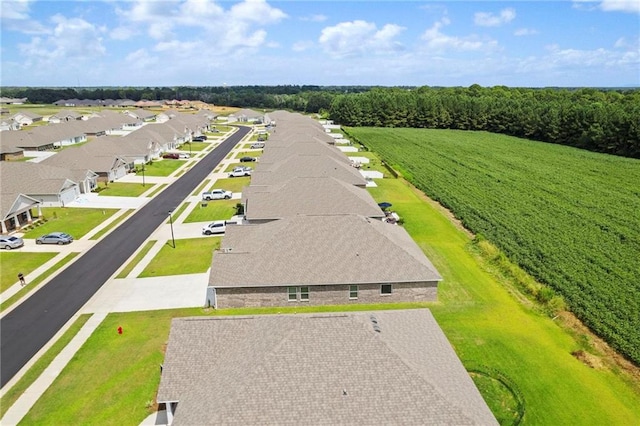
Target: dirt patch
column 608, row 356
column 588, row 359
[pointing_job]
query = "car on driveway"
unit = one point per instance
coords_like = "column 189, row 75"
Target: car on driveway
column 217, row 194
column 171, row 155
column 217, row 227
column 184, row 156
column 201, row 138
column 257, row 145
column 55, row 238
column 10, row 242
column 247, row 159
column 240, row 171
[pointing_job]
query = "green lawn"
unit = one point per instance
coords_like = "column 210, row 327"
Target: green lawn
column 236, row 184
column 215, row 210
column 488, row 327
column 34, row 282
column 14, row 262
column 162, row 167
column 195, row 146
column 74, row 221
column 191, row 256
column 123, row 189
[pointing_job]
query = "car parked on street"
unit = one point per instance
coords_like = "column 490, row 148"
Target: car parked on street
column 10, row 242
column 217, row 227
column 171, row 155
column 217, row 194
column 247, row 159
column 55, row 238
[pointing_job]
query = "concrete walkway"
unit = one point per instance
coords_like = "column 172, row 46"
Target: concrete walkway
column 119, row 295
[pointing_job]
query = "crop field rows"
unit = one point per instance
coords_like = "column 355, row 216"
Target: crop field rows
column 568, row 217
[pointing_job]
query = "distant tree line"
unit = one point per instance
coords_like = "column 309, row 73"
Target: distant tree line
column 605, row 121
column 595, row 119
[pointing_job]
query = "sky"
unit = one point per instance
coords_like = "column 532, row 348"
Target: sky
column 258, row 42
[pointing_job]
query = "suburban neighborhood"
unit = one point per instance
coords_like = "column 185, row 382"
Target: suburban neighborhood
column 302, row 230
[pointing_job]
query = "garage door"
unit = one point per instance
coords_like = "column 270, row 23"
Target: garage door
column 120, row 172
column 69, row 195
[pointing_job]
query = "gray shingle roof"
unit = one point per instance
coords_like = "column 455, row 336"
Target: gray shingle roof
column 308, row 196
column 317, row 369
column 306, row 166
column 318, row 250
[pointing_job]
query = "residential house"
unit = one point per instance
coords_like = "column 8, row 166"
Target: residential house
column 319, row 260
column 9, row 124
column 142, row 114
column 64, row 116
column 307, row 196
column 26, row 118
column 51, row 186
column 16, row 209
column 355, row 368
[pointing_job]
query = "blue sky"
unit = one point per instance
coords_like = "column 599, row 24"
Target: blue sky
column 388, row 43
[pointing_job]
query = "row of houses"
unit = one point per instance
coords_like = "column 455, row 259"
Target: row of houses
column 314, row 236
column 108, row 146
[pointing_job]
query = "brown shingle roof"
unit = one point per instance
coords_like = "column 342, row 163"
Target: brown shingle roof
column 318, row 250
column 312, row 369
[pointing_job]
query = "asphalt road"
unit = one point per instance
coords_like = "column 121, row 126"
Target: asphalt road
column 26, row 329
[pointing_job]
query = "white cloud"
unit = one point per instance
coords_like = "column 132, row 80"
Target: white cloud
column 436, row 41
column 524, row 32
column 14, row 16
column 71, row 39
column 314, row 18
column 486, row 19
column 122, row 33
column 630, row 6
column 357, row 38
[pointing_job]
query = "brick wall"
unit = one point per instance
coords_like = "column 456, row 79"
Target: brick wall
column 325, row 295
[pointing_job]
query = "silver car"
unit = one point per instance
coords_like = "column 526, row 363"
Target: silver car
column 10, row 242
column 55, row 238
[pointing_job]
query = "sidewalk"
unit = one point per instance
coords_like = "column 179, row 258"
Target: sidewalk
column 129, row 294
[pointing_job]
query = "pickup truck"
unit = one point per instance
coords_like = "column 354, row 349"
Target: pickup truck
column 240, row 171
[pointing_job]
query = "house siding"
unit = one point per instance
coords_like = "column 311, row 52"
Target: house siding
column 325, row 295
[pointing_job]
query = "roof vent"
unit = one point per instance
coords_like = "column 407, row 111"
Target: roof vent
column 374, row 322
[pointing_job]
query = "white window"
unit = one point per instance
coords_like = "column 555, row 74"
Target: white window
column 293, row 294
column 298, row 294
column 304, row 294
column 353, row 292
column 386, row 289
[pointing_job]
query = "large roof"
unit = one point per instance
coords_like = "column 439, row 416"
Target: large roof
column 308, row 196
column 364, row 368
column 306, row 166
column 318, row 250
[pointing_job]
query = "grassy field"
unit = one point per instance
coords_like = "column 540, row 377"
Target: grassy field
column 123, row 189
column 14, row 262
column 215, row 210
column 491, row 329
column 195, row 146
column 191, row 256
column 74, row 221
column 34, row 282
column 162, row 167
column 236, row 184
column 568, row 217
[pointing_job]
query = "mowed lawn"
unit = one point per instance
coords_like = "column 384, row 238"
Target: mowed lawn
column 488, row 327
column 14, row 262
column 74, row 221
column 190, row 256
column 214, row 210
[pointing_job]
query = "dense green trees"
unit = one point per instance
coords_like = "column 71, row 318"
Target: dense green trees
column 596, row 120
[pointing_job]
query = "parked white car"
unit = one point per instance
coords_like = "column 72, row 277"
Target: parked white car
column 217, row 227
column 241, row 171
column 217, row 194
column 184, row 156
